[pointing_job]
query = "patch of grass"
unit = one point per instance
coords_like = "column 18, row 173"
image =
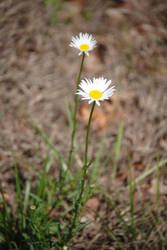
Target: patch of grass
column 43, row 215
column 135, row 230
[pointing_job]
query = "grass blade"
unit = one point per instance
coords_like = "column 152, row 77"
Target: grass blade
column 42, row 182
column 69, row 114
column 47, row 140
column 93, row 175
column 27, row 194
column 149, row 171
column 157, row 183
column 6, row 213
column 18, row 188
column 131, row 199
column 117, row 149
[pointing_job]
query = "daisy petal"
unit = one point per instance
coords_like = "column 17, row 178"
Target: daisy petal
column 95, row 90
column 84, row 43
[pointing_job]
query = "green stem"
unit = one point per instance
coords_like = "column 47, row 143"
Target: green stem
column 75, row 114
column 78, row 200
column 85, row 166
column 87, row 135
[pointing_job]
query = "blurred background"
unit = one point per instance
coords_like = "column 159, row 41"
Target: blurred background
column 38, row 72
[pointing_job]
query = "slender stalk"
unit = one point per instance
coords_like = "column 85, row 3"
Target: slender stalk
column 131, row 198
column 158, row 185
column 75, row 114
column 78, row 199
column 85, row 166
column 87, row 135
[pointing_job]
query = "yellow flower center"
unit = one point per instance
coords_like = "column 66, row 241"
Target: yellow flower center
column 95, row 94
column 84, row 47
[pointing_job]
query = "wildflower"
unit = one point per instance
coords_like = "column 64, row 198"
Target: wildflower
column 83, row 42
column 33, row 207
column 95, row 90
column 65, row 248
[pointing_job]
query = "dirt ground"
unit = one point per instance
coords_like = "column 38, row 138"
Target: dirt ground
column 38, row 71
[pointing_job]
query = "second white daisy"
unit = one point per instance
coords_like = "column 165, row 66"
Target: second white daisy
column 95, row 90
column 84, row 43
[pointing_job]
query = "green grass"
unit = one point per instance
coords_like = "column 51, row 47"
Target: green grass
column 43, row 215
column 40, row 220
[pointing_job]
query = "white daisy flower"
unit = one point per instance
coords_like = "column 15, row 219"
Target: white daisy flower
column 95, row 90
column 83, row 42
